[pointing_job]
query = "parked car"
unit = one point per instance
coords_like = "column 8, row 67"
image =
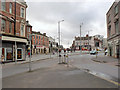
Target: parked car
column 93, row 52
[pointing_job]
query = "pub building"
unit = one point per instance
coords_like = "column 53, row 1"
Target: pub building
column 13, row 40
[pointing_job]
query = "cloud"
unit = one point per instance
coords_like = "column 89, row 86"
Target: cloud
column 44, row 17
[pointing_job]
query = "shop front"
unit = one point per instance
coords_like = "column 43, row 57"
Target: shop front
column 13, row 49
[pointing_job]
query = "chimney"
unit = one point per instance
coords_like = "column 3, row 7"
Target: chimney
column 44, row 34
column 27, row 21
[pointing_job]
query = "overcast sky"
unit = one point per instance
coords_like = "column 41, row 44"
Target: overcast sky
column 44, row 17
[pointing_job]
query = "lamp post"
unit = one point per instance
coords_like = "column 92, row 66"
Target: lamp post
column 59, row 36
column 80, row 38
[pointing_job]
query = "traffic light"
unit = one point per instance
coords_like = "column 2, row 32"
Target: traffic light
column 64, row 50
column 57, row 44
column 51, row 44
column 59, row 50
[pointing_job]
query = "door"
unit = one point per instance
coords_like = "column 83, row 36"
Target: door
column 117, row 49
column 110, row 51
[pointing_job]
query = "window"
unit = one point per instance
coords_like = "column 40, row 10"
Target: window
column 39, row 37
column 109, row 31
column 36, row 37
column 28, row 29
column 10, row 27
column 39, row 42
column 22, row 12
column 116, row 26
column 116, row 9
column 109, row 19
column 3, row 4
column 34, row 42
column 3, row 25
column 10, row 8
column 22, row 30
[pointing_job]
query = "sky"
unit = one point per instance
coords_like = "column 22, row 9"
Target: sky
column 90, row 14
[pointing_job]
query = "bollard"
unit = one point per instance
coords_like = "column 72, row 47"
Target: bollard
column 67, row 61
column 59, row 59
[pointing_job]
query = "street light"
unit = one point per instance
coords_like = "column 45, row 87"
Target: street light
column 59, row 36
column 80, row 38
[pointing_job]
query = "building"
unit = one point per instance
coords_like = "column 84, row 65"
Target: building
column 113, row 30
column 105, row 44
column 40, row 43
column 13, row 30
column 87, row 43
column 53, row 46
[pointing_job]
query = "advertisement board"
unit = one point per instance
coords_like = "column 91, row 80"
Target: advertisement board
column 19, row 54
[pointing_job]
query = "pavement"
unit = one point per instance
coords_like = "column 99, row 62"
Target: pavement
column 107, row 59
column 57, row 76
column 103, row 70
column 39, row 57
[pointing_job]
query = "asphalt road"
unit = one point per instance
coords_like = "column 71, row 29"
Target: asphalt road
column 57, row 76
column 49, row 74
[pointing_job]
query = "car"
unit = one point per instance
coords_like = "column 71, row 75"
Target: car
column 93, row 52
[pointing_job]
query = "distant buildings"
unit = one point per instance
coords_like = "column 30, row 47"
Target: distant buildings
column 53, row 45
column 113, row 30
column 88, row 43
column 40, row 43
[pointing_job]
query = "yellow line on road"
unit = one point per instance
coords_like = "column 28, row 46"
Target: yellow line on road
column 116, row 83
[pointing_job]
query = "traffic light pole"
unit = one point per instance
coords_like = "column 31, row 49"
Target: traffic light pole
column 59, row 40
column 30, row 38
column 80, row 41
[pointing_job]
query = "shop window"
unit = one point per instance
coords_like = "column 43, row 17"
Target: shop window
column 9, row 54
column 19, row 54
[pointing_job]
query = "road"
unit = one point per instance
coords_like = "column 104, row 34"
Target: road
column 49, row 74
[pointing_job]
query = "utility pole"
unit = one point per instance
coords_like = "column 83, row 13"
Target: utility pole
column 30, row 38
column 15, row 34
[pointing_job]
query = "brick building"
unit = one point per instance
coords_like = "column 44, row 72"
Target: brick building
column 113, row 30
column 40, row 43
column 13, row 41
